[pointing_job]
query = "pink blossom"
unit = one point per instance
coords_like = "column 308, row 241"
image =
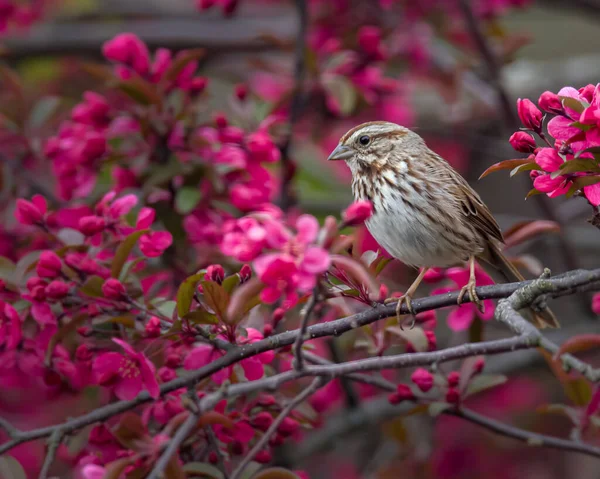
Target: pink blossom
column 357, row 213
column 296, row 265
column 215, row 272
column 127, row 375
column 462, row 316
column 530, row 115
column 244, row 239
column 154, row 244
column 128, row 49
column 113, row 289
column 10, row 326
column 57, row 289
column 49, row 265
column 423, row 379
column 403, row 393
column 261, row 147
column 31, row 212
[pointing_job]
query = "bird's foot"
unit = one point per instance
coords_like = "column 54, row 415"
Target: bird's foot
column 470, row 289
column 404, row 299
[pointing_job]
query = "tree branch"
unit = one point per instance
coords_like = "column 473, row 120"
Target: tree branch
column 529, row 337
column 312, row 302
column 53, row 443
column 171, row 450
column 262, row 442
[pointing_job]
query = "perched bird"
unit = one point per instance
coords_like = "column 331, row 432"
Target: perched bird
column 424, row 212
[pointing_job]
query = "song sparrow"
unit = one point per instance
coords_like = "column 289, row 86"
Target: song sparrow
column 424, row 213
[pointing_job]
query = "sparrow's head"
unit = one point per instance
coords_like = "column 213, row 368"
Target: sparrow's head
column 376, row 145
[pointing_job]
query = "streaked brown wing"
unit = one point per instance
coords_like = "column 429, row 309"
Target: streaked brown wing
column 475, row 209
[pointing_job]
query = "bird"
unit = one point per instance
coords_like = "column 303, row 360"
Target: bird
column 425, row 214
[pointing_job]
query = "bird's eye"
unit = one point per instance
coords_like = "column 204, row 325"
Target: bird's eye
column 364, row 140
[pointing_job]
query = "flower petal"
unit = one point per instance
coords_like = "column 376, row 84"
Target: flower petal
column 316, row 260
column 106, row 366
column 461, row 317
column 308, row 229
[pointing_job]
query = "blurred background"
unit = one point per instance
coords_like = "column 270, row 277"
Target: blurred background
column 451, row 70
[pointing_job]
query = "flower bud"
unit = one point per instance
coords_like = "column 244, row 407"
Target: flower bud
column 198, row 85
column 431, row 340
column 113, row 289
column 266, row 400
column 241, row 91
column 49, row 265
column 213, row 458
column 369, row 40
column 31, row 212
column 220, row 120
column 128, row 49
column 522, row 142
column 267, row 330
column 288, row 427
column 357, row 213
column 262, row 421
column 530, row 115
column 263, row 457
column 277, row 316
column 215, row 272
column 34, row 282
column 423, row 379
column 478, row 366
column 453, row 396
column 453, row 379
column 550, row 102
column 57, row 289
column 403, row 393
column 152, row 327
column 245, row 273
column 91, row 225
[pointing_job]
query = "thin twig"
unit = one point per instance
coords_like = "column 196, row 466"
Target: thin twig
column 531, row 438
column 214, row 443
column 262, row 442
column 53, row 443
column 288, row 168
column 171, row 450
column 307, row 312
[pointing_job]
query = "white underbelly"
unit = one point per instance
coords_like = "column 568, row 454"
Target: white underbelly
column 415, row 242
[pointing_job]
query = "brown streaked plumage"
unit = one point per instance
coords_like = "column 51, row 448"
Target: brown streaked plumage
column 425, row 213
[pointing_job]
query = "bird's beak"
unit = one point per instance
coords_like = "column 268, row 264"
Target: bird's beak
column 341, row 152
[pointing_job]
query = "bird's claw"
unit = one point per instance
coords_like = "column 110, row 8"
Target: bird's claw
column 470, row 288
column 404, row 299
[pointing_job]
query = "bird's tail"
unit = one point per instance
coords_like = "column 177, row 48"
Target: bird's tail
column 501, row 266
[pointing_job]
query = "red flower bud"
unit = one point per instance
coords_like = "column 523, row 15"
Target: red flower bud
column 113, row 289
column 49, row 265
column 262, row 421
column 245, row 273
column 198, row 85
column 31, row 212
column 263, row 457
column 423, row 379
column 288, row 427
column 369, row 40
column 128, row 49
column 57, row 289
column 530, row 115
column 220, row 120
column 478, row 366
column 522, row 142
column 241, row 91
column 383, row 292
column 550, row 102
column 403, row 393
column 91, row 225
column 267, row 330
column 266, row 400
column 453, row 379
column 212, row 457
column 357, row 213
column 34, row 282
column 278, row 315
column 215, row 272
column 452, row 396
column 152, row 327
column 431, row 340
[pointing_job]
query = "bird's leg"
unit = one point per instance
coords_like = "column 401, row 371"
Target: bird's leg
column 406, row 298
column 470, row 287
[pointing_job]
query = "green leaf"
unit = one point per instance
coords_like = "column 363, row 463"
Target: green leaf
column 140, row 91
column 525, row 167
column 167, row 308
column 63, row 332
column 230, row 283
column 11, row 468
column 181, row 62
column 533, row 192
column 576, row 166
column 123, row 251
column 483, row 382
column 92, row 287
column 342, row 91
column 437, row 408
column 201, row 316
column 415, row 336
column 275, row 473
column 25, row 264
column 572, row 103
column 43, row 110
column 217, row 298
column 579, row 391
column 505, row 165
column 186, row 199
column 243, row 300
column 185, row 293
column 202, row 469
